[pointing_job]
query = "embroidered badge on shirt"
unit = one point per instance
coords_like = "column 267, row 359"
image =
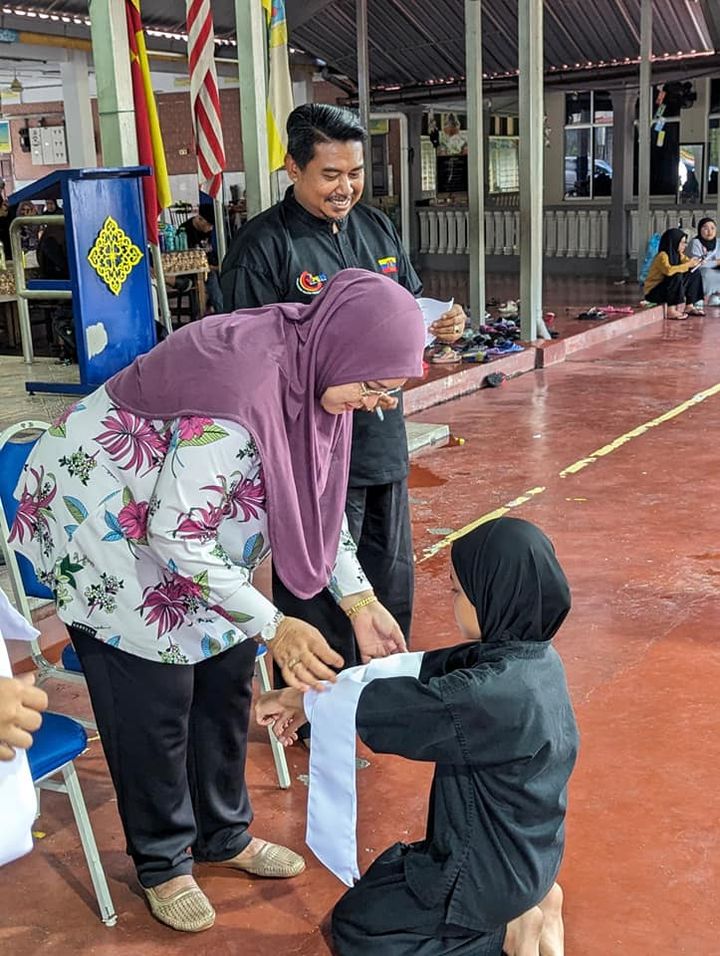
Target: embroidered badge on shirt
column 388, row 265
column 311, row 284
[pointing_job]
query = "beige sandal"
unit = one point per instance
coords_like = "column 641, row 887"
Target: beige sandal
column 271, row 861
column 188, row 910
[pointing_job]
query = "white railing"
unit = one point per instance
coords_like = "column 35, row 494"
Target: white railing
column 568, row 233
column 669, row 218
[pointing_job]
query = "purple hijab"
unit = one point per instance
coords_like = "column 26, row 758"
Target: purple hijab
column 266, row 369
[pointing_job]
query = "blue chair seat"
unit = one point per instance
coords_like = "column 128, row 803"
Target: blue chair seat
column 59, row 740
column 70, row 660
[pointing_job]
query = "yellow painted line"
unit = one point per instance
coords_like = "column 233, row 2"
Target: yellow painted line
column 573, row 469
column 490, row 516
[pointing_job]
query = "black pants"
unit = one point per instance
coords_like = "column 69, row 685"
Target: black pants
column 678, row 289
column 175, row 739
column 379, row 521
column 380, row 914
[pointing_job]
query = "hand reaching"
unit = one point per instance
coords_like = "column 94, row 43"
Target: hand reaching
column 283, row 711
column 20, row 707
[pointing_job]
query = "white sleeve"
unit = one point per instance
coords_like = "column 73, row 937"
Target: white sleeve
column 347, row 576
column 17, row 793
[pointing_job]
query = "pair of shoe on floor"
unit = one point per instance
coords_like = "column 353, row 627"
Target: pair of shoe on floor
column 189, row 911
column 679, row 312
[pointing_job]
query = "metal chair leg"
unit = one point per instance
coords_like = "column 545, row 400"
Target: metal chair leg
column 87, row 838
column 278, row 751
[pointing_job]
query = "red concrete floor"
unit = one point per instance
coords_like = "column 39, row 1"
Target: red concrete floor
column 563, row 295
column 638, row 531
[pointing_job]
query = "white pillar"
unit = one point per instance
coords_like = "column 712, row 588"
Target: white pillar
column 111, row 59
column 250, row 24
column 644, row 118
column 532, row 144
column 363, row 65
column 78, row 112
column 476, row 159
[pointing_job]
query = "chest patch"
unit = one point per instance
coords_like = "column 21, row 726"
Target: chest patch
column 388, row 265
column 311, row 284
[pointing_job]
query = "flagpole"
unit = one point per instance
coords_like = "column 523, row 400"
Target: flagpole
column 161, row 287
column 220, row 233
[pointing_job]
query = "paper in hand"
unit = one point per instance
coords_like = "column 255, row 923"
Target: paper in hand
column 432, row 309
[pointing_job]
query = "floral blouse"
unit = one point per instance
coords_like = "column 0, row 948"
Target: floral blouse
column 149, row 531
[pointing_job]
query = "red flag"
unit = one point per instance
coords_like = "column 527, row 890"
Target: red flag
column 156, row 188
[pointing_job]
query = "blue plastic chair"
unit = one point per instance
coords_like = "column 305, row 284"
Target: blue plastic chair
column 55, row 746
column 16, row 443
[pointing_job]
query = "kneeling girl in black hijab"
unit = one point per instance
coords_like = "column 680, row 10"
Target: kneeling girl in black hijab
column 494, row 715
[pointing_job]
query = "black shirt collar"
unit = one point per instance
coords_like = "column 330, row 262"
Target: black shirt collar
column 297, row 211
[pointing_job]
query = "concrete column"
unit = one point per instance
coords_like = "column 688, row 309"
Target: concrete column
column 476, row 159
column 644, row 118
column 250, row 23
column 622, row 179
column 415, row 149
column 363, row 63
column 78, row 112
column 111, row 58
column 532, row 142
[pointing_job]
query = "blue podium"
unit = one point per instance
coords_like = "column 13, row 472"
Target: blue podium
column 109, row 270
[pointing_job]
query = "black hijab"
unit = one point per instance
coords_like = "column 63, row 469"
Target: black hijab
column 709, row 244
column 509, row 572
column 669, row 242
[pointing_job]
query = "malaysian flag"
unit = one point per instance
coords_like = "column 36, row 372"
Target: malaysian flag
column 204, row 96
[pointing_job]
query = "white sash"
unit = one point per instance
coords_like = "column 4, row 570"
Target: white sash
column 332, row 799
column 17, row 794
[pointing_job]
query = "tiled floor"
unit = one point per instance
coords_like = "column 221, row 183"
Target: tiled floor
column 637, row 527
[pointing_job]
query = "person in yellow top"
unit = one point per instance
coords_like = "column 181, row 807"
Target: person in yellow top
column 674, row 278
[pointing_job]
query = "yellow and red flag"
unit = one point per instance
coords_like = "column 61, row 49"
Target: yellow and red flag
column 156, row 188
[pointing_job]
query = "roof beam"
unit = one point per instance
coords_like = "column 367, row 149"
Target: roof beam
column 300, row 11
column 711, row 11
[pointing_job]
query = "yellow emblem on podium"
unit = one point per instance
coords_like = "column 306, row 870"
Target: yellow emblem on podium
column 114, row 255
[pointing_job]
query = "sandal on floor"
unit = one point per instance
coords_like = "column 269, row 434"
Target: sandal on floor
column 271, row 861
column 446, row 356
column 695, row 311
column 188, row 910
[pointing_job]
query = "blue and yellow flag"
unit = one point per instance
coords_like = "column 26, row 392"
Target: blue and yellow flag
column 280, row 94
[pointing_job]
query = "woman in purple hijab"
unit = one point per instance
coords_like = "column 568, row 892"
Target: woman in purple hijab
column 147, row 506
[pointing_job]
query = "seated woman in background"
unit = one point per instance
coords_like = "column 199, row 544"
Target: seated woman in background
column 705, row 246
column 495, row 717
column 674, row 278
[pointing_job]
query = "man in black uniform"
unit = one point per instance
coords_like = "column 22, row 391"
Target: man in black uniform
column 287, row 254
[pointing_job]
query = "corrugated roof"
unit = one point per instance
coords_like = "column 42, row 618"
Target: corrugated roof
column 414, row 42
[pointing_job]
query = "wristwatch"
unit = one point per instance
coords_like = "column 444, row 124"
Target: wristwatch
column 269, row 630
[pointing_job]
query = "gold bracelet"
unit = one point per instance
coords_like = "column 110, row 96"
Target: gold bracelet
column 352, row 611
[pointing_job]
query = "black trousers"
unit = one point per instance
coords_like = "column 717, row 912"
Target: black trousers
column 678, row 289
column 379, row 521
column 175, row 739
column 380, row 914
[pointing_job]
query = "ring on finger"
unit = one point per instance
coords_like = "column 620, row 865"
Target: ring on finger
column 293, row 663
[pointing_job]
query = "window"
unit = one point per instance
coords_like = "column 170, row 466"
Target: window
column 503, row 164
column 588, row 144
column 713, row 138
column 428, row 163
